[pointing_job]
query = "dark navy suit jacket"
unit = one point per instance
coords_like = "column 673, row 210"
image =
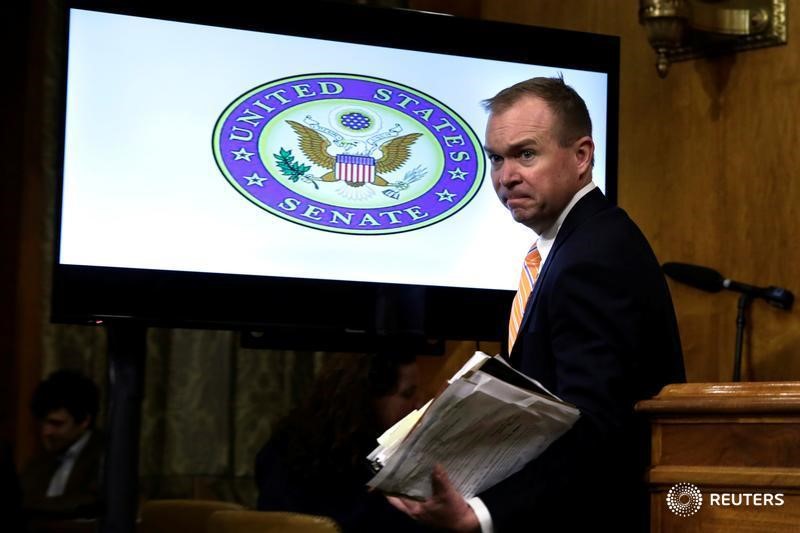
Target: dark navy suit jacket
column 600, row 332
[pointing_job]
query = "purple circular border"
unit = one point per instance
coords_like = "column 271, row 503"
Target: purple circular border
column 273, row 192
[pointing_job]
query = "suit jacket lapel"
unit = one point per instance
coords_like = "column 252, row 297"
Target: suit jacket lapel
column 586, row 207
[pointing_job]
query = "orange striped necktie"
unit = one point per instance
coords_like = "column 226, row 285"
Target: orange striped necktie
column 530, row 271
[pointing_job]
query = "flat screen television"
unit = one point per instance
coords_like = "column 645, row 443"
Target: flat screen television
column 313, row 171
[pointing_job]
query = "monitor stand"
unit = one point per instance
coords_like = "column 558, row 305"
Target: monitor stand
column 126, row 356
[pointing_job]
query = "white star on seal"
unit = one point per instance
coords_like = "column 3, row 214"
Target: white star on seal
column 255, row 179
column 457, row 174
column 242, row 154
column 445, row 196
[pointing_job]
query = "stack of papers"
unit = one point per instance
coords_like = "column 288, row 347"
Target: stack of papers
column 487, row 424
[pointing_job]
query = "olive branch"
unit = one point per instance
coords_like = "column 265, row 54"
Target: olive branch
column 289, row 167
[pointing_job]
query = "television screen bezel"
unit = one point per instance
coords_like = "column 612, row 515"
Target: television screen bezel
column 312, row 308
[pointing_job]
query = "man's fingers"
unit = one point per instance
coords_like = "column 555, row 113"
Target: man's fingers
column 409, row 507
column 398, row 503
column 446, row 509
column 440, row 483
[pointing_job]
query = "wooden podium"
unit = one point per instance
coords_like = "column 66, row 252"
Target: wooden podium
column 730, row 440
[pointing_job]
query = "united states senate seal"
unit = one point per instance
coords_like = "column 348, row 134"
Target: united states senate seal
column 348, row 154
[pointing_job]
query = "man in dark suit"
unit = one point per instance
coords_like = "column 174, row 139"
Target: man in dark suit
column 63, row 481
column 598, row 328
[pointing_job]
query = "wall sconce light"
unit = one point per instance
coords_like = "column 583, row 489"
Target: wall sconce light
column 686, row 29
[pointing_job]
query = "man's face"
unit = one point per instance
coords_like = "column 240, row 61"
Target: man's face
column 534, row 177
column 60, row 431
column 393, row 407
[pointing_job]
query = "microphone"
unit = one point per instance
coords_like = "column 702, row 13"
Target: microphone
column 710, row 280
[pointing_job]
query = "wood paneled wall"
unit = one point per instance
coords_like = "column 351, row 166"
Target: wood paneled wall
column 22, row 204
column 709, row 169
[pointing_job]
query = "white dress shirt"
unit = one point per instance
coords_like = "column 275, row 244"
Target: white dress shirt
column 60, row 477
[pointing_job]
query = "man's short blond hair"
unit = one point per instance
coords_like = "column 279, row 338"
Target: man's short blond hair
column 572, row 116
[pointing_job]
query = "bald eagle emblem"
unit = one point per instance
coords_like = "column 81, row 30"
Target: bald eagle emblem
column 348, row 153
column 355, row 163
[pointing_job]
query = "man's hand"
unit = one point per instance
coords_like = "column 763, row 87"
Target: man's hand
column 445, row 509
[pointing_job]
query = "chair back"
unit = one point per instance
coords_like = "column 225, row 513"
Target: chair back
column 181, row 516
column 269, row 522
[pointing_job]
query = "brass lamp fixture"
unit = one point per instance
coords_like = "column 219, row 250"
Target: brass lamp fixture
column 686, row 29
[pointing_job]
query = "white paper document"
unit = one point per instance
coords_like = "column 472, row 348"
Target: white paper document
column 486, row 425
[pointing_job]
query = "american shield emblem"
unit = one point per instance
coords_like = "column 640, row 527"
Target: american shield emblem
column 347, row 153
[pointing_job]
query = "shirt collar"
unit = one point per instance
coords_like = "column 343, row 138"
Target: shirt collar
column 548, row 237
column 77, row 446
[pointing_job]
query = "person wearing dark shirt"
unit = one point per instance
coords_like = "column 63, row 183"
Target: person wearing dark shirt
column 315, row 462
column 592, row 321
column 63, row 482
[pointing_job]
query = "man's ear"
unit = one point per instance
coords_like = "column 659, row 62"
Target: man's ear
column 584, row 154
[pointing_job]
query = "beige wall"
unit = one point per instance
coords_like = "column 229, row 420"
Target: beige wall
column 708, row 168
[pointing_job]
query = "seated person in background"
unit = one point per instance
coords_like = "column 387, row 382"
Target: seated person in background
column 315, row 462
column 63, row 482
